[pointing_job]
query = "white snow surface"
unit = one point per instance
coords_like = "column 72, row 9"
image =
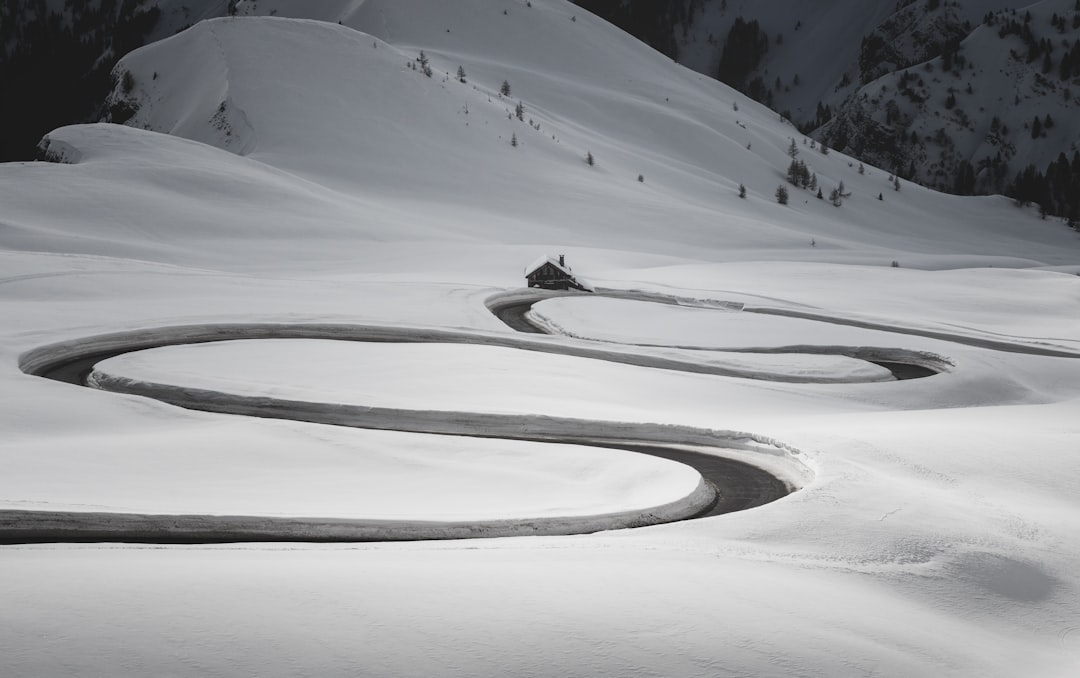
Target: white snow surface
column 304, row 470
column 624, row 320
column 937, row 535
column 445, row 377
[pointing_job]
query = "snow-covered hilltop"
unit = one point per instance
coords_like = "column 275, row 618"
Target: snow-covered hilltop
column 916, row 87
column 340, row 100
column 56, row 57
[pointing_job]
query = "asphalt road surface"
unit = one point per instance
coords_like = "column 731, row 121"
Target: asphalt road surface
column 513, row 314
column 734, row 485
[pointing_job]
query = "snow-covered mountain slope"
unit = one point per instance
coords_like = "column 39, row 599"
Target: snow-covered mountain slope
column 972, row 120
column 56, row 57
column 822, row 43
column 349, row 113
column 922, row 87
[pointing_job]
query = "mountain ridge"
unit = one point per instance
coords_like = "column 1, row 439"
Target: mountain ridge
column 860, row 98
column 347, row 113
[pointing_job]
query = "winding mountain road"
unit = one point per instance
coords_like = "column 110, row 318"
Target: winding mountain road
column 513, row 309
column 727, row 484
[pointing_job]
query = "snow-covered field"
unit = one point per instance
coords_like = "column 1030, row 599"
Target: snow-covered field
column 299, row 171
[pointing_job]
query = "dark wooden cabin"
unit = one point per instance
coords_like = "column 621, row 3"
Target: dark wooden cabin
column 551, row 273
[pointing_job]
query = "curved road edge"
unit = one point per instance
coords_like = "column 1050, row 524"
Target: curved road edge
column 742, row 485
column 500, row 301
column 514, row 310
column 33, row 527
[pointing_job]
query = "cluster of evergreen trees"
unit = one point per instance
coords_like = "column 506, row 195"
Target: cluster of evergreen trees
column 55, row 67
column 654, row 22
column 746, row 44
column 743, row 50
column 651, row 22
column 798, row 174
column 1056, row 191
column 1067, row 66
column 1057, row 188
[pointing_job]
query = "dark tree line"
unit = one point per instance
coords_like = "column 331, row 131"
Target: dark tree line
column 654, row 23
column 876, row 49
column 651, row 22
column 54, row 69
column 1070, row 62
column 746, row 44
column 1067, row 65
column 1056, row 191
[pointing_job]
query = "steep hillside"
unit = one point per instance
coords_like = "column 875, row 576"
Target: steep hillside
column 55, row 58
column 915, row 88
column 946, row 94
column 1001, row 99
column 349, row 108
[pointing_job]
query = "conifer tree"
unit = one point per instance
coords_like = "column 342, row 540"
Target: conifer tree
column 461, row 74
column 798, row 174
column 505, row 89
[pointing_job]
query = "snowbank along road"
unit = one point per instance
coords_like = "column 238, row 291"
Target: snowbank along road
column 727, row 484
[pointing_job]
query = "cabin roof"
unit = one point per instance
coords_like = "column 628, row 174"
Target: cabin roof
column 547, row 259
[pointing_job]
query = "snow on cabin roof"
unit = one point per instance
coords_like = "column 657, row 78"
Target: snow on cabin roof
column 547, row 259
